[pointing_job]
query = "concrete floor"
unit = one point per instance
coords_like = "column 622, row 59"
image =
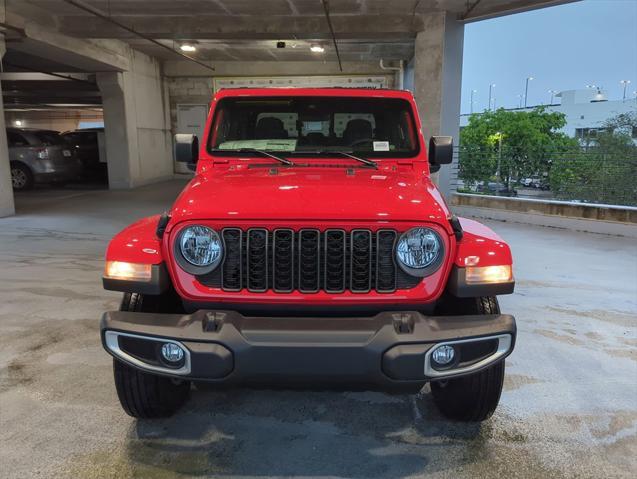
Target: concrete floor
column 569, row 408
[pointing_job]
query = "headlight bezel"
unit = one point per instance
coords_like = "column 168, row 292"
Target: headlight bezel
column 184, row 263
column 432, row 267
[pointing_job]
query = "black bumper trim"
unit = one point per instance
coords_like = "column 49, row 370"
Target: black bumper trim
column 334, row 350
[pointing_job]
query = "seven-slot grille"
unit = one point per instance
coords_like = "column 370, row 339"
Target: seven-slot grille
column 309, row 260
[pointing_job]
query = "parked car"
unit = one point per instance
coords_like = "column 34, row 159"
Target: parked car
column 85, row 144
column 310, row 248
column 497, row 189
column 531, row 182
column 40, row 156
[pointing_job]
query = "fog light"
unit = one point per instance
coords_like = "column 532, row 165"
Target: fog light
column 172, row 353
column 443, row 355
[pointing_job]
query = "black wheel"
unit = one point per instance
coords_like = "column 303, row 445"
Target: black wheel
column 145, row 395
column 473, row 397
column 148, row 396
column 168, row 302
column 21, row 177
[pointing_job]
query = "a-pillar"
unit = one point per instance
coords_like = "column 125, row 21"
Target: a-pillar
column 7, row 207
column 437, row 81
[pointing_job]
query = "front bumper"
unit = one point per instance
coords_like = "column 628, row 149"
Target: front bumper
column 391, row 349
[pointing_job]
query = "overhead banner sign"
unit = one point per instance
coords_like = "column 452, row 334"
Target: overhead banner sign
column 355, row 81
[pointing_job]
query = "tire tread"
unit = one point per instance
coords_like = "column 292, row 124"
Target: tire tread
column 474, row 397
column 144, row 395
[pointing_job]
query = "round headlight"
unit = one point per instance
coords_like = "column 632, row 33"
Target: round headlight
column 200, row 246
column 419, row 251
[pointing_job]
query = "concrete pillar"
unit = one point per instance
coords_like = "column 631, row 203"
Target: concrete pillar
column 7, row 207
column 437, row 81
column 136, row 124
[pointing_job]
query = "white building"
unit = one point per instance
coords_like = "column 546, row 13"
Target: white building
column 585, row 110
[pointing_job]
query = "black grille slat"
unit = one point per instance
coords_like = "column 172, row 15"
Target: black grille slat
column 283, row 261
column 334, row 261
column 309, row 260
column 257, row 260
column 361, row 261
column 385, row 265
column 231, row 277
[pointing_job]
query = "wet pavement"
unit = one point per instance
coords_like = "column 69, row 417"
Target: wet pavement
column 569, row 408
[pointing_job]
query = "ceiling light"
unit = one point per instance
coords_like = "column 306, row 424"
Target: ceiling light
column 18, row 123
column 186, row 47
column 317, row 48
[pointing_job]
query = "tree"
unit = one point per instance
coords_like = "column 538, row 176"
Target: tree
column 606, row 172
column 521, row 143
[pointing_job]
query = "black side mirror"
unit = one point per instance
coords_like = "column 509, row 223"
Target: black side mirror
column 187, row 149
column 440, row 151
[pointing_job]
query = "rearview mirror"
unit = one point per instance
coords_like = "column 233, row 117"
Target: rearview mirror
column 187, row 149
column 440, row 151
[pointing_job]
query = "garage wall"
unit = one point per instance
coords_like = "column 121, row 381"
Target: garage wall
column 137, row 123
column 153, row 131
column 187, row 86
column 187, row 91
column 188, row 83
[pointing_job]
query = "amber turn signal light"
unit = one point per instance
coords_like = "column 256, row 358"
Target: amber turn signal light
column 489, row 274
column 127, row 271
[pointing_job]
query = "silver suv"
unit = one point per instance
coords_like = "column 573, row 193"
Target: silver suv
column 41, row 156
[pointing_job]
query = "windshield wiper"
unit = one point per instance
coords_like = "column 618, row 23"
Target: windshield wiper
column 364, row 161
column 280, row 159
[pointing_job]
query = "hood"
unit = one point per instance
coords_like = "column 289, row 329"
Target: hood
column 311, row 193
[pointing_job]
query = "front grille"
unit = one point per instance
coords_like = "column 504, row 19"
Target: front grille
column 309, row 260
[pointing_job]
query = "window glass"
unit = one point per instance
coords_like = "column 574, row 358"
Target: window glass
column 16, row 139
column 49, row 138
column 374, row 127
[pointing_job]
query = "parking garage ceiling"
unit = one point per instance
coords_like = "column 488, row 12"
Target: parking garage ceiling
column 248, row 30
column 222, row 31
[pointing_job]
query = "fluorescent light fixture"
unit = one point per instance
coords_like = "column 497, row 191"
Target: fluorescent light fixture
column 489, row 274
column 317, row 48
column 187, row 47
column 18, row 123
column 127, row 271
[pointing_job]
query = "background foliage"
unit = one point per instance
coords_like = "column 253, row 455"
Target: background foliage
column 599, row 169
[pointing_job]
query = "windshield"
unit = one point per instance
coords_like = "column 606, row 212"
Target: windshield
column 371, row 127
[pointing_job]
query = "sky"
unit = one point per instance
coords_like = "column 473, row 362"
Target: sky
column 592, row 42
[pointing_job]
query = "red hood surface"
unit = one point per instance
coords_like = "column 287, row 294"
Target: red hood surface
column 391, row 193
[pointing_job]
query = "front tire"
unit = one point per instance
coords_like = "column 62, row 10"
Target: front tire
column 147, row 396
column 141, row 394
column 474, row 397
column 470, row 398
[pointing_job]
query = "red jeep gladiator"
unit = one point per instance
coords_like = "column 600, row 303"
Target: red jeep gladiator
column 311, row 248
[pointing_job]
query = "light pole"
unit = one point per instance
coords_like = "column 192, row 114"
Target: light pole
column 635, row 93
column 552, row 92
column 499, row 134
column 625, row 83
column 471, row 106
column 526, row 90
column 520, row 100
column 491, row 87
